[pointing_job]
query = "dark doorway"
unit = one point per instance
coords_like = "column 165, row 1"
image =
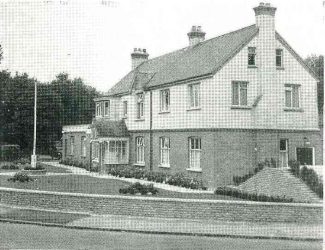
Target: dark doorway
column 305, row 156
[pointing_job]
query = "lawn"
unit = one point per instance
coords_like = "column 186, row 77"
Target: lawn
column 49, row 168
column 92, row 185
column 40, row 216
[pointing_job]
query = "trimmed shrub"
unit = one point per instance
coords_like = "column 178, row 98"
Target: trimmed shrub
column 294, row 167
column 139, row 188
column 22, row 161
column 39, row 166
column 250, row 196
column 21, row 177
column 310, row 177
column 9, row 166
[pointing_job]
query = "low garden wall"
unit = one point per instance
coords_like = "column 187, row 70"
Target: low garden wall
column 221, row 210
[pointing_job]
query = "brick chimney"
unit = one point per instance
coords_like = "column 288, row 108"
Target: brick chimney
column 264, row 14
column 196, row 35
column 138, row 56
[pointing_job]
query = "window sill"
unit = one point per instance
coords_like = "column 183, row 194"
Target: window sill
column 139, row 164
column 252, row 66
column 95, row 160
column 279, row 68
column 139, row 120
column 198, row 170
column 240, row 107
column 293, row 109
column 193, row 109
column 124, row 117
column 164, row 112
column 164, row 166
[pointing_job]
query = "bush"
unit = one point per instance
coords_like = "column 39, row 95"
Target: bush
column 310, row 177
column 294, row 167
column 22, row 161
column 9, row 166
column 139, row 188
column 138, row 173
column 21, row 177
column 79, row 164
column 248, row 196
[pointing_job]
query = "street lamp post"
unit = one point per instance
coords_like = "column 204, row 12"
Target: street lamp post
column 34, row 157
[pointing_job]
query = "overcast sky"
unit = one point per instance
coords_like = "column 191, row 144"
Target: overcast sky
column 93, row 39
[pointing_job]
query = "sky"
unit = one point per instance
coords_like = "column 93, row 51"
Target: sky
column 93, row 39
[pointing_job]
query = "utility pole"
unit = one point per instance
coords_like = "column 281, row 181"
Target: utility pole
column 34, row 157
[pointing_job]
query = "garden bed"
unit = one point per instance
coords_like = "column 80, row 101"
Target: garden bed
column 92, row 185
column 15, row 167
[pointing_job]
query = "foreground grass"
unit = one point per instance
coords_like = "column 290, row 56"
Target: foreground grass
column 40, row 216
column 92, row 185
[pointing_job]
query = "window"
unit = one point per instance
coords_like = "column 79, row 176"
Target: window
column 164, row 151
column 118, row 150
column 251, row 56
column 106, row 108
column 283, row 145
column 140, row 150
column 194, row 95
column 164, row 100
column 98, row 109
column 125, row 109
column 239, row 93
column 292, row 96
column 195, row 153
column 83, row 146
column 65, row 147
column 279, row 57
column 71, row 145
column 95, row 151
column 140, row 106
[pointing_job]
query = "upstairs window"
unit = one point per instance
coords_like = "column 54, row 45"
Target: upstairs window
column 279, row 58
column 164, row 151
column 106, row 108
column 140, row 105
column 239, row 93
column 98, row 109
column 251, row 56
column 292, row 96
column 139, row 146
column 195, row 153
column 194, row 95
column 164, row 100
column 125, row 109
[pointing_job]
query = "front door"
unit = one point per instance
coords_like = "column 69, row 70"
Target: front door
column 284, row 153
column 305, row 156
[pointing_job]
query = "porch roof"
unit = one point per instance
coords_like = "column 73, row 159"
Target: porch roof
column 107, row 128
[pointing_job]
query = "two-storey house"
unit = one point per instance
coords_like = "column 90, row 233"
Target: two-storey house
column 212, row 110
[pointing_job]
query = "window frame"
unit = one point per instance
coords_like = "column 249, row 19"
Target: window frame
column 140, row 105
column 72, row 142
column 98, row 109
column 281, row 58
column 164, row 96
column 119, row 150
column 251, row 51
column 125, row 109
column 107, row 110
column 194, row 100
column 242, row 85
column 294, row 90
column 83, row 148
column 195, row 152
column 164, row 151
column 140, row 149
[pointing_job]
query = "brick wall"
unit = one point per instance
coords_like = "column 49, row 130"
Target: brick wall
column 165, row 207
column 77, row 146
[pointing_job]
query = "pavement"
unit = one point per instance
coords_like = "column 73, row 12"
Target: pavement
column 172, row 226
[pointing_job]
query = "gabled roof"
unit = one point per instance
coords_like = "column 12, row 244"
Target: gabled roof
column 201, row 60
column 108, row 128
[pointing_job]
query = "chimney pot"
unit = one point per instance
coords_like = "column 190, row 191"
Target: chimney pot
column 196, row 35
column 138, row 56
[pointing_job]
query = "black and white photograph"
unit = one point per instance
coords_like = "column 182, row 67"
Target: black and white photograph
column 160, row 124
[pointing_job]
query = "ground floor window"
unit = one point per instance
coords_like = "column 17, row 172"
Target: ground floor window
column 305, row 155
column 95, row 150
column 83, row 146
column 118, row 151
column 164, row 151
column 65, row 147
column 139, row 149
column 71, row 145
column 195, row 153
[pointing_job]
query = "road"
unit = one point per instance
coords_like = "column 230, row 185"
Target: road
column 13, row 236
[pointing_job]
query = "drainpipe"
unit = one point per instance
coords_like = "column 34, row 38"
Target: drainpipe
column 150, row 133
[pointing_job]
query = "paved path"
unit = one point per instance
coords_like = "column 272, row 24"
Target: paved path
column 198, row 227
column 80, row 171
column 14, row 236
